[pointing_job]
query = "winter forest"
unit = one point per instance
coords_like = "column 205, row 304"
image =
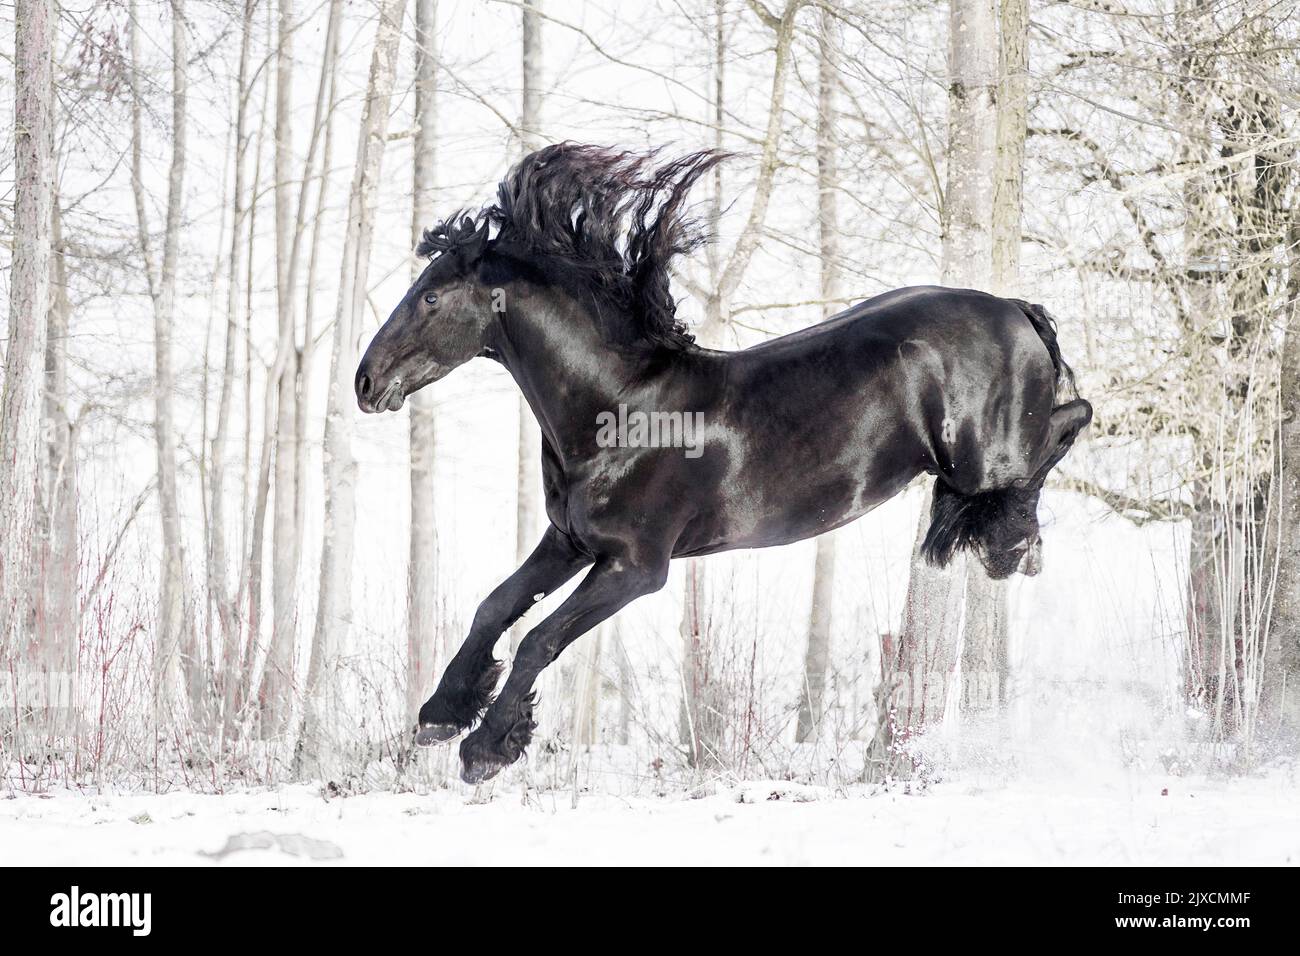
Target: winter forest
column 219, row 580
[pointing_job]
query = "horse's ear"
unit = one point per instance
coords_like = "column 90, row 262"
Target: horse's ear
column 477, row 244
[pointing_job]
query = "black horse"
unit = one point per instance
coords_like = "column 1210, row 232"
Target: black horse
column 789, row 439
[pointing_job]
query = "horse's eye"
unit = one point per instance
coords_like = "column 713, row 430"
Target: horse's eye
column 431, row 298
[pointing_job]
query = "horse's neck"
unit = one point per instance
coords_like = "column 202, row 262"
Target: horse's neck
column 561, row 361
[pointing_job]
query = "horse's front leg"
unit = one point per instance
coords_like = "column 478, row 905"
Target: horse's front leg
column 507, row 726
column 467, row 683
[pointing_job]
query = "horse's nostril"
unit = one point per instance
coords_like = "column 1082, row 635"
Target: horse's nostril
column 364, row 386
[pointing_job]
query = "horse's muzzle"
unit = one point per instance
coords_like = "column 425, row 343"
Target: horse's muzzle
column 371, row 398
column 1032, row 562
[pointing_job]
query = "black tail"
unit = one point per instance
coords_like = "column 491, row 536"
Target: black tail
column 1045, row 326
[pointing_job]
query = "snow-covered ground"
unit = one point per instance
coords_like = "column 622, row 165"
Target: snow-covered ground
column 1127, row 820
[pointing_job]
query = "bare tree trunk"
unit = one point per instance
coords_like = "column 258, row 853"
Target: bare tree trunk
column 972, row 126
column 530, row 111
column 927, row 645
column 277, row 693
column 528, row 479
column 295, row 461
column 1265, row 237
column 257, row 536
column 931, row 616
column 626, row 682
column 586, row 692
column 319, row 744
column 985, row 652
column 1009, row 164
column 421, row 584
column 29, row 305
column 700, row 728
column 986, row 634
column 1280, row 693
column 1213, row 575
column 694, row 649
column 228, row 680
column 712, row 251
column 173, row 655
column 816, row 662
column 694, row 701
column 818, row 652
column 286, row 383
column 327, row 100
column 252, row 511
column 59, row 614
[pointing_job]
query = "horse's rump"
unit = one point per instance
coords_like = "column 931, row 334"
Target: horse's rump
column 1045, row 326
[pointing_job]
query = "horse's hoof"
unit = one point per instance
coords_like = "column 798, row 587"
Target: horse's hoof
column 481, row 770
column 431, row 734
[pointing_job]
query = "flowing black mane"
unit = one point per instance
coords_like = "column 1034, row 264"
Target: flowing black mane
column 609, row 221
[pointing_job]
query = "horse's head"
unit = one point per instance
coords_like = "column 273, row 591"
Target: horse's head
column 1013, row 541
column 441, row 322
column 1000, row 527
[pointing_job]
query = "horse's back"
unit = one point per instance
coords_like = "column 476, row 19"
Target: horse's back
column 943, row 317
column 951, row 320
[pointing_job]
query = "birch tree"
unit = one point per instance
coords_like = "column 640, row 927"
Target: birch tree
column 323, row 132
column 282, row 394
column 256, row 542
column 1012, row 128
column 1281, row 690
column 160, row 271
column 286, row 392
column 29, row 301
column 59, row 614
column 528, row 481
column 986, row 632
column 228, row 673
column 972, row 126
column 1212, row 583
column 585, row 732
column 252, row 500
column 696, row 716
column 318, row 741
column 421, row 583
column 817, row 653
column 932, row 613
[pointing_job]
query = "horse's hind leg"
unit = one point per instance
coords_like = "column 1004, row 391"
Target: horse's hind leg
column 467, row 684
column 507, row 727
